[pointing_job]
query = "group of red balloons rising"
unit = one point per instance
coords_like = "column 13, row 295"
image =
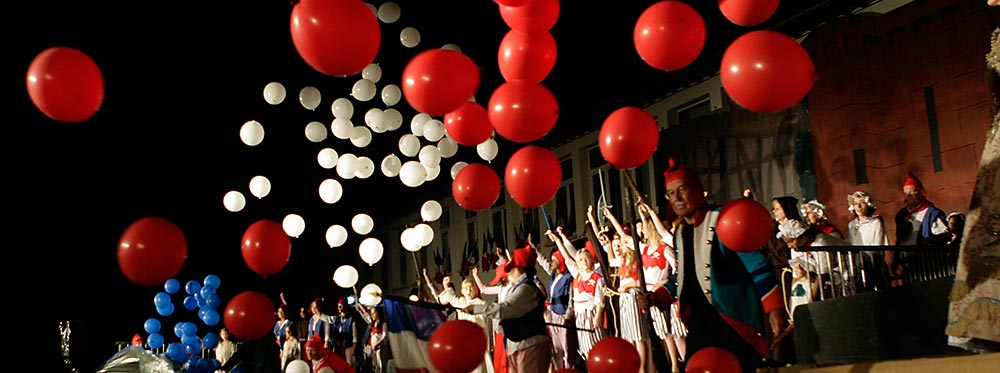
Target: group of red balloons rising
column 763, row 71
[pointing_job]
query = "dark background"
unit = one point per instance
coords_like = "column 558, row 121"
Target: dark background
column 181, row 78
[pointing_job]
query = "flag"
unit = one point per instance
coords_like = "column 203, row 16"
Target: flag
column 408, row 327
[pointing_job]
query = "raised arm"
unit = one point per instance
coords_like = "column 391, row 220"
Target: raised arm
column 479, row 281
column 665, row 233
column 567, row 244
column 626, row 238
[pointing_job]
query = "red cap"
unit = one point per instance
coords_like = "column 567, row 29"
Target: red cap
column 677, row 171
column 500, row 275
column 911, row 179
column 590, row 248
column 316, row 343
column 562, row 261
column 522, row 257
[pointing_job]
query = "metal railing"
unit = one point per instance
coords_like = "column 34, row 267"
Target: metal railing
column 849, row 270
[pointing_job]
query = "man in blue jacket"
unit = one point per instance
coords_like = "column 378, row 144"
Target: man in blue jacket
column 727, row 298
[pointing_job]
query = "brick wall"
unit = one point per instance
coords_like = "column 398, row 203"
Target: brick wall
column 874, row 74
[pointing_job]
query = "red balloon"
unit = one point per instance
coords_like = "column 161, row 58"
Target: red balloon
column 628, row 137
column 523, row 111
column 266, row 247
column 250, row 315
column 744, row 225
column 669, row 35
column 766, row 71
column 438, row 81
column 151, row 251
column 567, row 370
column 527, row 56
column 532, row 16
column 457, row 346
column 65, row 84
column 714, row 360
column 533, row 176
column 476, row 187
column 613, row 355
column 468, row 125
column 335, row 37
column 748, row 12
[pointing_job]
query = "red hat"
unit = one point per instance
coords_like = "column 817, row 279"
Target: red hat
column 500, row 275
column 677, row 171
column 316, row 343
column 590, row 248
column 522, row 257
column 911, row 179
column 562, row 261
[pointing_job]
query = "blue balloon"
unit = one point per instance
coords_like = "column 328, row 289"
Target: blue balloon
column 161, row 299
column 175, row 351
column 211, row 317
column 191, row 341
column 179, row 329
column 166, row 310
column 213, row 281
column 192, row 287
column 172, row 286
column 210, row 340
column 190, row 303
column 154, row 340
column 190, row 328
column 206, row 291
column 213, row 302
column 152, row 325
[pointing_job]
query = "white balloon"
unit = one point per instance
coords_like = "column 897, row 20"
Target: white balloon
column 452, row 47
column 458, row 166
column 310, row 97
column 375, row 119
column 371, row 250
column 412, row 174
column 361, row 136
column 408, row 241
column 363, row 90
column 252, row 133
column 327, row 158
column 487, row 150
column 417, row 123
column 342, row 128
column 448, row 147
column 316, row 131
column 432, row 172
column 393, row 118
column 274, row 93
column 371, row 7
column 234, row 201
column 297, row 366
column 342, row 108
column 429, row 156
column 372, row 72
column 430, row 211
column 293, row 225
column 409, row 145
column 391, row 165
column 388, row 12
column 347, row 165
column 330, row 191
column 410, row 37
column 336, row 235
column 391, row 94
column 424, row 234
column 345, row 276
column 371, row 295
column 362, row 224
column 434, row 130
column 365, row 168
column 260, row 186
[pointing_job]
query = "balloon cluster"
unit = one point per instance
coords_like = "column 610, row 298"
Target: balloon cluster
column 201, row 296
